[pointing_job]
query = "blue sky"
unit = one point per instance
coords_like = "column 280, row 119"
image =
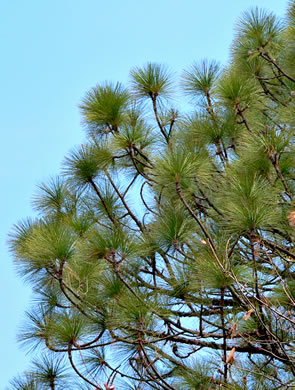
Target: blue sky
column 52, row 52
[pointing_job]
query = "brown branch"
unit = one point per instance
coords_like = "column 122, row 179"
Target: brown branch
column 143, row 201
column 77, row 371
column 154, row 100
column 130, row 185
column 268, row 58
column 225, row 364
column 211, row 244
column 102, row 201
column 135, row 219
column 240, row 112
column 274, row 158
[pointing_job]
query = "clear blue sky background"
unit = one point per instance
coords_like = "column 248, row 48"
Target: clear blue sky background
column 52, row 51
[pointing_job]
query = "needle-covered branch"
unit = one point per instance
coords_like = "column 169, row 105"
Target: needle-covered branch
column 163, row 256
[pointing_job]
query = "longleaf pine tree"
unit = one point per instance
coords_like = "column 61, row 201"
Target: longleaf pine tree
column 163, row 256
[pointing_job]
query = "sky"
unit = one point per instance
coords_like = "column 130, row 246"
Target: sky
column 52, row 52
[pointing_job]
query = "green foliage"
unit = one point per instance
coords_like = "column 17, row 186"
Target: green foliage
column 249, row 204
column 200, row 79
column 54, row 198
column 103, row 241
column 234, row 89
column 84, row 164
column 96, row 207
column 182, row 166
column 35, row 329
column 259, row 28
column 206, row 272
column 67, row 328
column 196, row 378
column 172, row 227
column 138, row 135
column 103, row 108
column 49, row 370
column 151, row 80
column 24, row 382
column 163, row 257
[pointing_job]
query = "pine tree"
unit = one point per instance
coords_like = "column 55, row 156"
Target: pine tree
column 163, row 255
